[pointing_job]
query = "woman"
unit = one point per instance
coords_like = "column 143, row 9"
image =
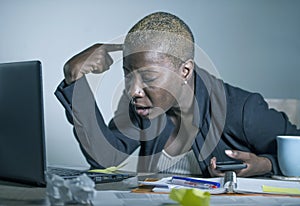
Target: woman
column 183, row 118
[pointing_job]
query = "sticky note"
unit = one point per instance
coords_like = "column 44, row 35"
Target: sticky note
column 281, row 190
column 190, row 197
column 108, row 170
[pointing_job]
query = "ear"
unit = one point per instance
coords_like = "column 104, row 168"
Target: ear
column 187, row 69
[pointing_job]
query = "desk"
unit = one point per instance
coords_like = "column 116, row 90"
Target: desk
column 17, row 194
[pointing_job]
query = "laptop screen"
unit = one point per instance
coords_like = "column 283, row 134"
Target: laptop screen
column 22, row 147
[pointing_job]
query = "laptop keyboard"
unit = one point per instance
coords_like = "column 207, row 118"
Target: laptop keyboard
column 64, row 172
column 68, row 173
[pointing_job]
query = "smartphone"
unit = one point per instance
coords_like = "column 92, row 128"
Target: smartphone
column 231, row 165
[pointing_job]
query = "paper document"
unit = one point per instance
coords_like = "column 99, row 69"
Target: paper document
column 123, row 198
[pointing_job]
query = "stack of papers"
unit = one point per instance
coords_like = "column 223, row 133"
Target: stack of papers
column 244, row 185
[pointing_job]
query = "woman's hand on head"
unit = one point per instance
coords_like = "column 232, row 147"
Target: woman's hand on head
column 94, row 59
column 255, row 165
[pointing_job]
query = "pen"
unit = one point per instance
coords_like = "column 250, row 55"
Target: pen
column 192, row 182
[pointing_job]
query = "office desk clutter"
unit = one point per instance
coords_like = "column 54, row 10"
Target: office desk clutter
column 254, row 191
column 123, row 193
column 228, row 184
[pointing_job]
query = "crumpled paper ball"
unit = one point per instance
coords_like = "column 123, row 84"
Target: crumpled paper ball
column 78, row 190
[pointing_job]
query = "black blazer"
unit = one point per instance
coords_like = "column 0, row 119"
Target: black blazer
column 227, row 117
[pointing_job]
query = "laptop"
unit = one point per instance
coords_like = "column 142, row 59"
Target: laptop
column 22, row 134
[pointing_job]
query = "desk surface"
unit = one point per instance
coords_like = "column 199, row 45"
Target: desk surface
column 17, row 194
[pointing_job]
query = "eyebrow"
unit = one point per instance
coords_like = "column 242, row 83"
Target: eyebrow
column 147, row 70
column 141, row 70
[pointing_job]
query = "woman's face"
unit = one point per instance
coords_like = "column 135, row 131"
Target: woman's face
column 153, row 83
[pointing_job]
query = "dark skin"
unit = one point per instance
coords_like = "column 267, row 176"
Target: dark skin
column 156, row 86
column 147, row 80
column 94, row 59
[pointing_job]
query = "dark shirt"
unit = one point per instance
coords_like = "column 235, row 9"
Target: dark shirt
column 227, row 117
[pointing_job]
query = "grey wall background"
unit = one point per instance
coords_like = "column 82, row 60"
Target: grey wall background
column 253, row 44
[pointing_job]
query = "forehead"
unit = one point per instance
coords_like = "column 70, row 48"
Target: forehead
column 147, row 59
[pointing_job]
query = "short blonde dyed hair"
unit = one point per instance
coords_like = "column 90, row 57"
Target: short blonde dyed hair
column 161, row 32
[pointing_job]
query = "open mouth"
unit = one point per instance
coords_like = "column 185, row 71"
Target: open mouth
column 143, row 111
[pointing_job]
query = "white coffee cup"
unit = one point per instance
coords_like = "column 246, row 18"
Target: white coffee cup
column 289, row 155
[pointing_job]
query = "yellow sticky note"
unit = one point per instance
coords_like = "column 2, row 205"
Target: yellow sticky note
column 281, row 190
column 190, row 197
column 108, row 170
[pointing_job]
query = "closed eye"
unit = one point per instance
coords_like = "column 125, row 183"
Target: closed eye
column 149, row 76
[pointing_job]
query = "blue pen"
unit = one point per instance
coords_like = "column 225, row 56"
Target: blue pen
column 192, row 182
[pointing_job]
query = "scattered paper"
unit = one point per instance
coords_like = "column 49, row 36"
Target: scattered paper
column 244, row 186
column 127, row 198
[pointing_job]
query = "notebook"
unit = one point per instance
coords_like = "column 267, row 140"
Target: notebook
column 22, row 135
column 232, row 184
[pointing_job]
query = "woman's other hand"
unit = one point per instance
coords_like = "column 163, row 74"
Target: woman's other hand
column 255, row 165
column 94, row 59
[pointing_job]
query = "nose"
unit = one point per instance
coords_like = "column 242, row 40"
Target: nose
column 136, row 89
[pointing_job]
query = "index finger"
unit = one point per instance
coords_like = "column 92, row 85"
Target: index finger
column 113, row 47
